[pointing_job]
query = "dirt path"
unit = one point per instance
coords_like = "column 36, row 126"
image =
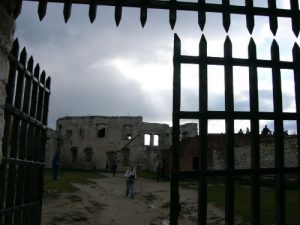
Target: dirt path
column 104, row 203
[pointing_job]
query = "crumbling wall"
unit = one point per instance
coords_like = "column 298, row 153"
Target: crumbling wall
column 152, row 151
column 7, row 28
column 242, row 153
column 110, row 139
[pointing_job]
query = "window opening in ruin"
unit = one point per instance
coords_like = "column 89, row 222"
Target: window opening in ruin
column 68, row 134
column 81, row 132
column 88, row 154
column 101, row 133
column 74, row 152
column 155, row 140
column 147, row 138
column 127, row 132
column 125, row 156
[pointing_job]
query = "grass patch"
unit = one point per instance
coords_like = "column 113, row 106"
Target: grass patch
column 216, row 195
column 65, row 179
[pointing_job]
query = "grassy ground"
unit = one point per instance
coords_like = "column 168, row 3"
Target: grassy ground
column 216, row 195
column 65, row 179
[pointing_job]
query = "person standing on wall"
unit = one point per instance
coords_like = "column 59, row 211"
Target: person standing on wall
column 131, row 176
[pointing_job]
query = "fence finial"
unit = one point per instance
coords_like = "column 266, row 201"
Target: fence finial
column 42, row 8
column 143, row 14
column 118, row 12
column 93, row 11
column 172, row 14
column 67, row 10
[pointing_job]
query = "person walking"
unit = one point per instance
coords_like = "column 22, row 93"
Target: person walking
column 55, row 166
column 131, row 176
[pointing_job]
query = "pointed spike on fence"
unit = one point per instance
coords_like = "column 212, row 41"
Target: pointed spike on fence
column 18, row 8
column 23, row 56
column 42, row 8
column 172, row 19
column 274, row 50
column 177, row 44
column 48, row 82
column 201, row 14
column 203, row 45
column 250, row 16
column 296, row 25
column 226, row 15
column 118, row 12
column 15, row 48
column 273, row 26
column 296, row 52
column 228, row 47
column 252, row 49
column 30, row 64
column 273, row 19
column 143, row 16
column 295, row 19
column 67, row 10
column 43, row 77
column 92, row 11
column 172, row 14
column 37, row 71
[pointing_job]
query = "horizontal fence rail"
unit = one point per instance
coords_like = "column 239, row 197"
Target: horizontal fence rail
column 248, row 9
column 26, row 114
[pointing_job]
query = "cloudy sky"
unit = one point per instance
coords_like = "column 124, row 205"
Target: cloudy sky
column 101, row 69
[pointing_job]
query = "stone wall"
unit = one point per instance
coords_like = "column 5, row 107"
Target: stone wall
column 189, row 148
column 7, row 28
column 119, row 139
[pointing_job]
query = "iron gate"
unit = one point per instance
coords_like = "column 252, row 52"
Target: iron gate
column 21, row 169
column 230, row 115
column 249, row 10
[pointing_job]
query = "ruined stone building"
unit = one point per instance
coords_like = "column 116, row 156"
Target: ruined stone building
column 89, row 142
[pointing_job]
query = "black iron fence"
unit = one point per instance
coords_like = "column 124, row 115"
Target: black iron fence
column 23, row 148
column 230, row 115
column 200, row 6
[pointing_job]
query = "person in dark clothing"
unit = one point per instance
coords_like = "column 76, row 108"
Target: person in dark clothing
column 55, row 166
column 266, row 130
column 158, row 172
column 106, row 167
column 114, row 168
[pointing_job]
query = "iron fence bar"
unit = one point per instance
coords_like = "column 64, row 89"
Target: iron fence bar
column 229, row 133
column 235, row 61
column 174, row 203
column 296, row 59
column 237, row 115
column 279, row 145
column 203, row 146
column 16, row 146
column 24, row 116
column 255, row 142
